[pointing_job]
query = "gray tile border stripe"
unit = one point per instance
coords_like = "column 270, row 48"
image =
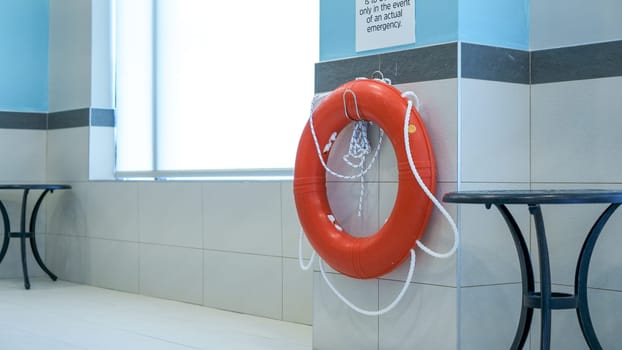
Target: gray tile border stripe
column 495, row 63
column 330, row 74
column 58, row 120
column 23, row 120
column 436, row 62
column 69, row 119
column 590, row 61
column 419, row 64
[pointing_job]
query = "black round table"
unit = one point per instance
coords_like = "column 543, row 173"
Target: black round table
column 22, row 234
column 547, row 300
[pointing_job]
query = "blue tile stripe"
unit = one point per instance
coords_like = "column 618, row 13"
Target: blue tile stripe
column 103, row 117
column 58, row 120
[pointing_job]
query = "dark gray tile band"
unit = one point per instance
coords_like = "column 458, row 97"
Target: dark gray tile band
column 495, row 63
column 58, row 120
column 419, row 64
column 69, row 119
column 577, row 62
column 23, row 120
column 330, row 74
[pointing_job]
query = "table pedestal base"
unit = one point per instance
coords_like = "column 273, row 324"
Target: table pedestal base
column 23, row 235
column 546, row 300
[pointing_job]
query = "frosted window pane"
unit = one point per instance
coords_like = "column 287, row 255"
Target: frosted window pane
column 232, row 86
column 134, row 85
column 234, row 82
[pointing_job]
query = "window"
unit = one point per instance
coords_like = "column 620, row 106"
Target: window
column 212, row 87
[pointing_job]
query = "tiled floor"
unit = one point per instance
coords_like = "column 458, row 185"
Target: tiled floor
column 62, row 315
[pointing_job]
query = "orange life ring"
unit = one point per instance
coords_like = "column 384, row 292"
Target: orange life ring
column 380, row 253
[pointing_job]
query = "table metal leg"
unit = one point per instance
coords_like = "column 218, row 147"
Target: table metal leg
column 33, row 243
column 527, row 278
column 7, row 231
column 580, row 284
column 22, row 239
column 546, row 293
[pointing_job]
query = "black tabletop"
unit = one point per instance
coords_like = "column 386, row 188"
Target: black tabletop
column 34, row 187
column 534, row 196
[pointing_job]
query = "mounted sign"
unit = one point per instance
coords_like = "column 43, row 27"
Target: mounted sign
column 384, row 23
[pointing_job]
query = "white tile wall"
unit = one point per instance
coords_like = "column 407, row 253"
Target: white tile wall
column 112, row 211
column 438, row 237
column 439, row 111
column 488, row 251
column 112, row 264
column 585, row 144
column 489, row 316
column 297, row 292
column 67, row 155
column 171, row 214
column 66, row 210
column 290, row 225
column 425, row 318
column 22, row 155
column 558, row 23
column 67, row 257
column 101, row 153
column 335, row 326
column 155, row 233
column 171, row 272
column 606, row 257
column 495, row 131
column 243, row 217
column 244, row 282
column 605, row 307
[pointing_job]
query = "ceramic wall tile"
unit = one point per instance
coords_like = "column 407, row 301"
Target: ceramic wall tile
column 290, row 225
column 297, row 292
column 439, row 112
column 335, row 325
column 22, row 155
column 567, row 227
column 171, row 213
column 575, row 131
column 489, row 316
column 67, row 154
column 243, row 217
column 112, row 210
column 171, row 272
column 426, row 317
column 244, row 283
column 488, row 253
column 605, row 307
column 494, row 131
column 66, row 256
column 438, row 236
column 102, row 153
column 66, row 210
column 112, row 264
column 568, row 23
